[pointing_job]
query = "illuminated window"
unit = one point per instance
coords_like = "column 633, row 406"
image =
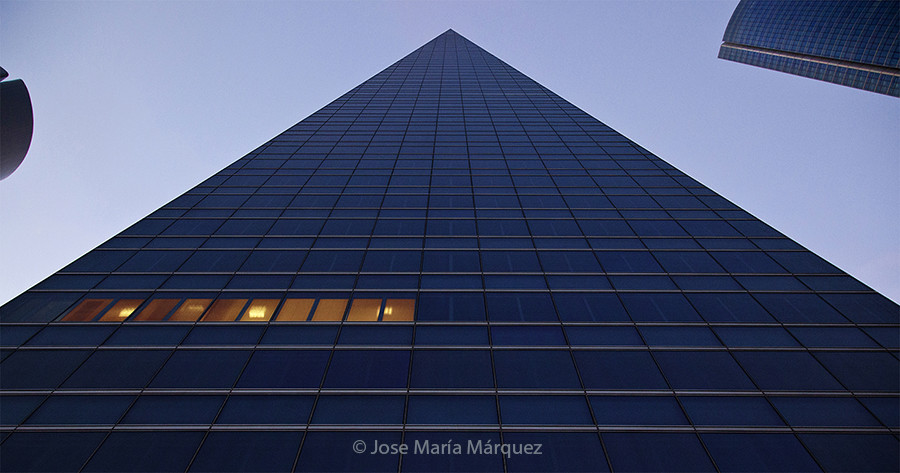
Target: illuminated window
column 364, row 310
column 121, row 310
column 399, row 310
column 87, row 310
column 190, row 311
column 224, row 310
column 156, row 310
column 295, row 310
column 330, row 310
column 260, row 310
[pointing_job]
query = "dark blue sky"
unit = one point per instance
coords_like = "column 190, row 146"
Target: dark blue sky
column 135, row 102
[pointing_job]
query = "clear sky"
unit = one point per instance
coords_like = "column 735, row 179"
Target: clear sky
column 136, row 102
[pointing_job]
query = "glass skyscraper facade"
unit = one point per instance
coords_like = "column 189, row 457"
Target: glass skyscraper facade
column 449, row 268
column 853, row 43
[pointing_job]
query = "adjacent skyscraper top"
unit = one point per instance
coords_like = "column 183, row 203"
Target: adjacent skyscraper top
column 852, row 43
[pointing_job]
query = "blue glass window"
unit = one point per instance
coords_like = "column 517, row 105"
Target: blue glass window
column 328, row 451
column 799, row 308
column 246, row 451
column 43, row 369
column 145, row 451
column 392, row 261
column 333, row 261
column 361, row 369
column 451, row 261
column 201, row 369
column 725, row 307
column 299, row 335
column 118, row 369
column 451, row 335
column 865, row 371
column 580, row 307
column 160, row 261
column 527, row 335
column 759, row 452
column 823, row 411
column 755, row 337
column 789, row 371
column 535, row 369
column 618, row 370
column 520, row 307
column 652, row 452
column 603, row 336
column 273, row 261
column 14, row 409
column 81, row 410
column 510, row 261
column 679, row 336
column 284, row 369
column 560, row 451
column 719, row 371
column 15, row 335
column 832, row 337
column 659, row 308
column 148, row 335
column 442, row 369
column 48, row 451
column 452, row 410
column 844, row 452
column 70, row 335
column 637, row 410
column 215, row 261
column 446, row 307
column 101, row 261
column 266, row 409
column 628, row 262
column 174, row 409
column 569, row 261
column 357, row 410
column 720, row 410
column 544, row 410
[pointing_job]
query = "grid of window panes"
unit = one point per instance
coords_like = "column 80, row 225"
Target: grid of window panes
column 857, row 33
column 489, row 264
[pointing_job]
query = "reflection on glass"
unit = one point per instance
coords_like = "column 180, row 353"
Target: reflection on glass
column 399, row 310
column 156, row 310
column 121, row 310
column 190, row 311
column 330, row 310
column 295, row 310
column 364, row 310
column 87, row 310
column 260, row 310
column 224, row 310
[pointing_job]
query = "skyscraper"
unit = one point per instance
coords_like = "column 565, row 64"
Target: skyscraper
column 449, row 268
column 852, row 43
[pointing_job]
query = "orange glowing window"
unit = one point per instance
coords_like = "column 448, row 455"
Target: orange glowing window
column 399, row 310
column 260, row 310
column 295, row 310
column 156, row 310
column 364, row 310
column 224, row 310
column 87, row 310
column 121, row 310
column 190, row 311
column 330, row 310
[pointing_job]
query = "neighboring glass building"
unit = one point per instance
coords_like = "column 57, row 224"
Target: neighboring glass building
column 452, row 258
column 852, row 43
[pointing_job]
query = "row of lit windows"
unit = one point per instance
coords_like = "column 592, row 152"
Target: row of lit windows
column 243, row 310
